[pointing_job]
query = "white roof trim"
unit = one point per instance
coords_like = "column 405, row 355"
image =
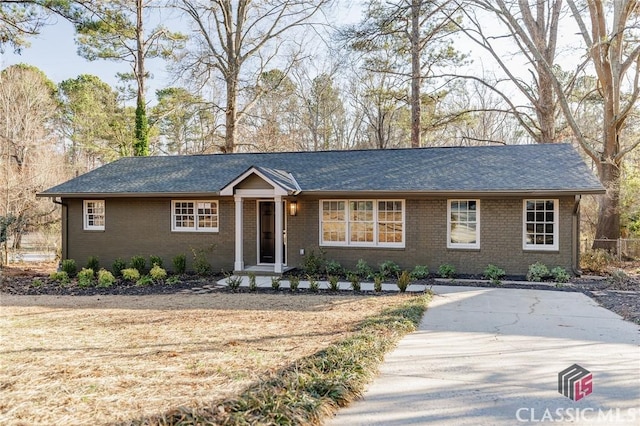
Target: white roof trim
column 229, row 189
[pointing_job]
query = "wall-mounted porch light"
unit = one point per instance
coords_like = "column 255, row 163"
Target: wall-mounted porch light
column 293, row 208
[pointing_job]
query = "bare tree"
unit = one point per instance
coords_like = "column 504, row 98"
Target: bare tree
column 237, row 41
column 610, row 33
column 531, row 27
column 27, row 143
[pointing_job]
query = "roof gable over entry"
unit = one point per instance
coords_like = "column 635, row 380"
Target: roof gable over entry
column 260, row 179
column 511, row 169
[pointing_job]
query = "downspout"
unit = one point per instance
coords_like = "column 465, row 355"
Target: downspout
column 575, row 240
column 65, row 227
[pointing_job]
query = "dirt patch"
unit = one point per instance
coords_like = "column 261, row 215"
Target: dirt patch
column 103, row 359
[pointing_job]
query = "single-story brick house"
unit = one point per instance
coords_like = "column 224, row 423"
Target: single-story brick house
column 469, row 207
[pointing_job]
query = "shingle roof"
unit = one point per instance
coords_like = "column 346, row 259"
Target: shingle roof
column 511, row 168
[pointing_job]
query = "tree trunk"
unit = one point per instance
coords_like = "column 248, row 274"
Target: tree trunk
column 141, row 147
column 543, row 30
column 231, row 117
column 608, row 226
column 415, row 75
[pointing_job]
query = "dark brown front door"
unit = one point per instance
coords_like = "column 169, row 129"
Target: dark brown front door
column 267, row 232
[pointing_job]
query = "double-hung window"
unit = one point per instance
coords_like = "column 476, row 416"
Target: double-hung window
column 463, row 224
column 367, row 223
column 540, row 224
column 93, row 212
column 194, row 216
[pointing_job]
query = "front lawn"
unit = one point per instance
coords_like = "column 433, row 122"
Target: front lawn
column 106, row 359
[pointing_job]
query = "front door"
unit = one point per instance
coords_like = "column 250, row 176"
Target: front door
column 267, row 232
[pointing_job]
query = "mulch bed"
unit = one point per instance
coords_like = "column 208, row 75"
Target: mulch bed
column 618, row 294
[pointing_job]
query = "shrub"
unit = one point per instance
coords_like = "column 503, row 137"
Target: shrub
column 144, row 281
column 173, row 279
column 363, row 270
column 355, row 281
column 403, row 281
column 131, row 274
column 200, row 263
column 333, row 283
column 105, row 278
column 253, row 286
column 447, row 270
column 419, row 272
column 294, row 282
column 314, row 265
column 389, row 268
column 61, row 277
column 94, row 264
column 596, row 260
column 118, row 265
column 233, row 282
column 37, row 282
column 155, row 260
column 69, row 266
column 275, row 283
column 618, row 276
column 139, row 263
column 537, row 272
column 85, row 277
column 494, row 274
column 180, row 264
column 560, row 275
column 313, row 284
column 377, row 283
column 157, row 273
column 334, row 268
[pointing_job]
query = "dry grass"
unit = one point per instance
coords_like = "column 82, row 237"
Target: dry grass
column 105, row 359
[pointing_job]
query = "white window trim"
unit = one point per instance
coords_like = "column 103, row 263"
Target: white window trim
column 475, row 245
column 347, row 242
column 556, row 226
column 174, row 228
column 85, row 215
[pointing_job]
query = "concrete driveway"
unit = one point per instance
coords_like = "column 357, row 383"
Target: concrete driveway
column 489, row 356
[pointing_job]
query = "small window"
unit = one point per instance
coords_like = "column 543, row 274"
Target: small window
column 194, row 216
column 540, row 224
column 94, row 215
column 463, row 224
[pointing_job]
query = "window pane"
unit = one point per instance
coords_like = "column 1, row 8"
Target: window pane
column 540, row 226
column 207, row 215
column 362, row 232
column 333, row 221
column 463, row 222
column 390, row 222
column 463, row 233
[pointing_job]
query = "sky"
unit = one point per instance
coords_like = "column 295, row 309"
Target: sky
column 55, row 53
